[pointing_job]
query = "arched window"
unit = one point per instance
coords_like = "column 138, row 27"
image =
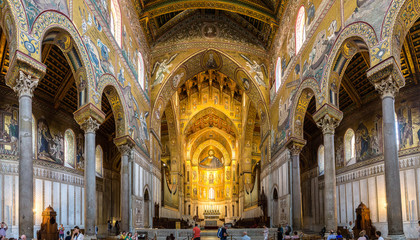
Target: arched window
column 321, row 160
column 69, row 148
column 300, row 29
column 34, row 137
column 211, row 193
column 98, row 159
column 349, row 147
column 278, row 74
column 115, row 24
column 140, row 68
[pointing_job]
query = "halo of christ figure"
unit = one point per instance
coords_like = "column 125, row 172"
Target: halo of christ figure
column 211, row 161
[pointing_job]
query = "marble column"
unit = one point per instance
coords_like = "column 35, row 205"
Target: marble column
column 90, row 126
column 387, row 79
column 24, row 88
column 125, row 187
column 295, row 147
column 328, row 118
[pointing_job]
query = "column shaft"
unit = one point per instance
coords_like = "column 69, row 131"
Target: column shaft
column 392, row 172
column 90, row 183
column 26, row 180
column 125, row 194
column 296, row 193
column 330, row 201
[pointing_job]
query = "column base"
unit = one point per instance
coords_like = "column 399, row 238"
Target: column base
column 396, row 237
column 90, row 237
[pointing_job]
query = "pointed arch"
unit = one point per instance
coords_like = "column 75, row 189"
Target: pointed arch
column 349, row 147
column 300, row 31
column 109, row 86
column 306, row 91
column 354, row 38
column 230, row 67
column 55, row 28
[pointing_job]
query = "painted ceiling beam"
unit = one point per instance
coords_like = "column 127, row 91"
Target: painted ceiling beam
column 351, row 91
column 65, row 86
column 252, row 10
column 411, row 57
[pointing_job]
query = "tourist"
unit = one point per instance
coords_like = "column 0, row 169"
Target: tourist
column 295, row 235
column 378, row 234
column 332, row 235
column 3, row 229
column 109, row 227
column 350, row 229
column 122, row 235
column 419, row 229
column 280, row 232
column 117, row 227
column 61, row 232
column 287, row 236
column 245, row 236
column 68, row 237
column 23, row 237
column 77, row 235
column 288, row 229
column 362, row 235
column 265, row 232
column 196, row 232
column 129, row 236
column 339, row 236
column 170, row 237
column 224, row 233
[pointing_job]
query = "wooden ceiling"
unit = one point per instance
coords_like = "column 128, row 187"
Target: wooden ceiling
column 356, row 90
column 260, row 17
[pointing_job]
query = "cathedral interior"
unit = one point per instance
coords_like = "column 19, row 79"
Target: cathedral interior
column 160, row 114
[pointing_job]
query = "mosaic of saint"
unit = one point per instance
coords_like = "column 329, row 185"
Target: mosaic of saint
column 211, row 161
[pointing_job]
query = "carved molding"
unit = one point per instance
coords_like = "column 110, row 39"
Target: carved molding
column 125, row 149
column 386, row 77
column 25, row 85
column 90, row 125
column 328, row 118
column 295, row 145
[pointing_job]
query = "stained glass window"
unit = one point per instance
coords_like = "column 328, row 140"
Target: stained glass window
column 349, row 147
column 321, row 159
column 140, row 64
column 211, row 193
column 278, row 74
column 33, row 136
column 300, row 29
column 115, row 24
column 69, row 148
column 99, row 158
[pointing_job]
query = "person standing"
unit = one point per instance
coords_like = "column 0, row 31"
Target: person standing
column 3, row 229
column 109, row 227
column 350, row 229
column 61, row 232
column 68, row 237
column 77, row 235
column 245, row 236
column 196, row 232
column 224, row 233
column 23, row 237
column 265, row 233
column 378, row 234
column 280, row 232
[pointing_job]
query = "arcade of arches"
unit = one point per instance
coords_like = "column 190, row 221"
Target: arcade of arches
column 165, row 114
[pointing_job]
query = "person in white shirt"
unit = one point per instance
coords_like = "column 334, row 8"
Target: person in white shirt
column 245, row 236
column 265, row 233
column 77, row 235
column 350, row 228
column 378, row 234
column 332, row 235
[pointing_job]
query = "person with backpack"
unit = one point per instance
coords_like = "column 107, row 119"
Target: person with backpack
column 222, row 233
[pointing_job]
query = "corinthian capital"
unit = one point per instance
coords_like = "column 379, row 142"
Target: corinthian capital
column 327, row 118
column 90, row 125
column 125, row 149
column 386, row 77
column 295, row 145
column 25, row 85
column 327, row 124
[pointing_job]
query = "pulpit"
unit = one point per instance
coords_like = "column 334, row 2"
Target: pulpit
column 49, row 230
column 363, row 222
